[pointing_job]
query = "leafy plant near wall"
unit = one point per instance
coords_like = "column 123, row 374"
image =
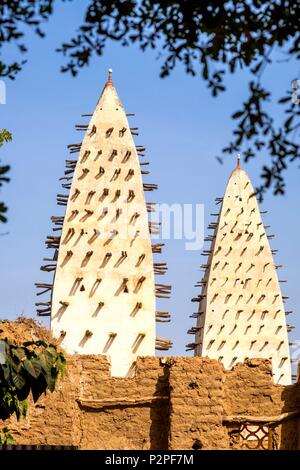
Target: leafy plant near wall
column 5, row 437
column 32, row 368
column 5, row 136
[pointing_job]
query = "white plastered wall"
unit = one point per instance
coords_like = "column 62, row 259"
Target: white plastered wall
column 103, row 298
column 241, row 310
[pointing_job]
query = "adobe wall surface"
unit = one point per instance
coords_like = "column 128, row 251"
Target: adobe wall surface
column 171, row 403
column 205, row 399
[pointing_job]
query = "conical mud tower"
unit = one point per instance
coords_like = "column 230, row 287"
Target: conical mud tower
column 241, row 309
column 103, row 294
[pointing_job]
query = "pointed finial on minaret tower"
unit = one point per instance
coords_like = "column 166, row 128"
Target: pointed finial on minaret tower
column 238, row 165
column 109, row 80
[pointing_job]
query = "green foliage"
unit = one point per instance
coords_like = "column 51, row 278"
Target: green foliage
column 5, row 437
column 5, row 136
column 31, row 368
column 213, row 37
column 256, row 132
column 14, row 15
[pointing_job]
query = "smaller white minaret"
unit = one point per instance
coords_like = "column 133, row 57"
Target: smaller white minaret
column 241, row 310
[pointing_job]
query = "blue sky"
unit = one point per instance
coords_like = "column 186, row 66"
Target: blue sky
column 182, row 127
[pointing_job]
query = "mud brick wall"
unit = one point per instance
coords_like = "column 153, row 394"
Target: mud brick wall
column 196, row 404
column 250, row 390
column 117, row 413
column 170, row 403
column 91, row 410
column 205, row 398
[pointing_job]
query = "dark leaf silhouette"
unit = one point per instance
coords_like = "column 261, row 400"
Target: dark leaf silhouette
column 211, row 38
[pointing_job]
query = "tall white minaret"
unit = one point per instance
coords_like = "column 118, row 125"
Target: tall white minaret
column 241, row 310
column 103, row 296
